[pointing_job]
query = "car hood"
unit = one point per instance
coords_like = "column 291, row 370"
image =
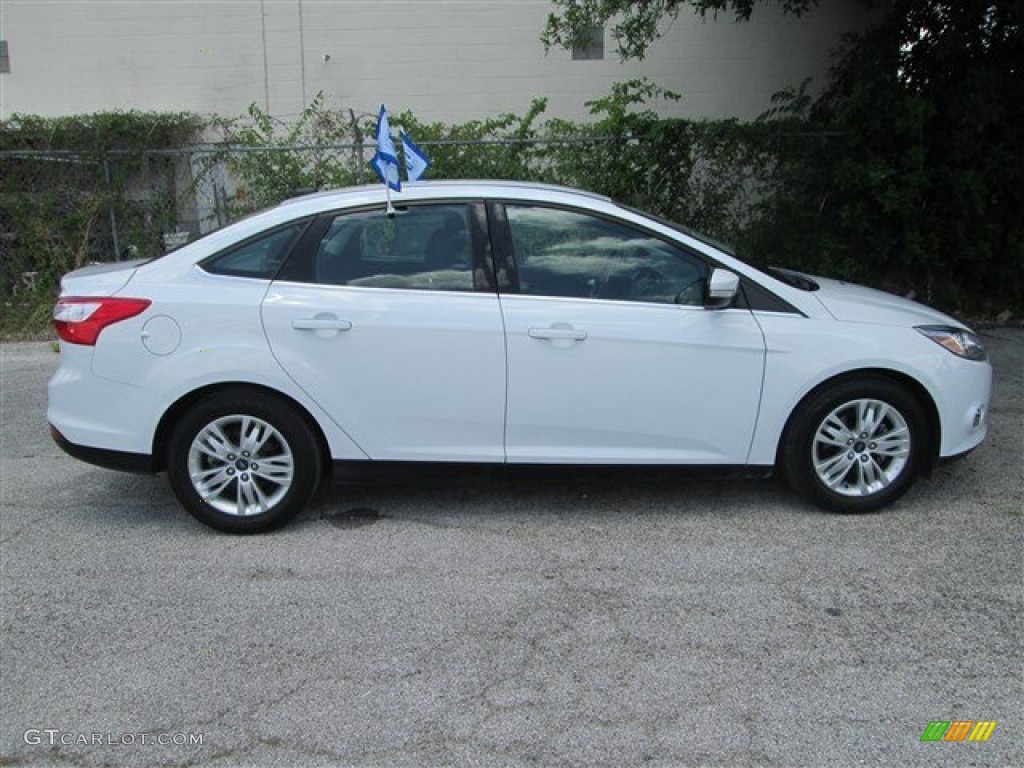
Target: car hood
column 856, row 304
column 99, row 279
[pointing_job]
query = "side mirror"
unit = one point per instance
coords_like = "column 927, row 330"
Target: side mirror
column 723, row 286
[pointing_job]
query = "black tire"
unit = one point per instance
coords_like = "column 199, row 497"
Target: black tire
column 842, row 468
column 232, row 492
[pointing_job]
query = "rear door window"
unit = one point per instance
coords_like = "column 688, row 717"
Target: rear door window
column 423, row 247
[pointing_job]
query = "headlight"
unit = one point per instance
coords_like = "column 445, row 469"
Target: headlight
column 960, row 342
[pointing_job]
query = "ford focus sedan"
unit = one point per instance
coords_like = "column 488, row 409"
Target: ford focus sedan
column 495, row 323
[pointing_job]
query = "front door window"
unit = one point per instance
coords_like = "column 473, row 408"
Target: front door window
column 575, row 255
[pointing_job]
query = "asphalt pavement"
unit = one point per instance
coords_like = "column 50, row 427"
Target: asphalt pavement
column 560, row 621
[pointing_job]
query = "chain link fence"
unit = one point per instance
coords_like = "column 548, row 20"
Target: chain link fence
column 60, row 210
column 746, row 184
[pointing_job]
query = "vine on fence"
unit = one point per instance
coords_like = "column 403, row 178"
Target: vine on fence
column 287, row 157
column 784, row 189
column 72, row 187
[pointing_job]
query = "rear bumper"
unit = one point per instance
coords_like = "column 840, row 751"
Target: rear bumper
column 104, row 457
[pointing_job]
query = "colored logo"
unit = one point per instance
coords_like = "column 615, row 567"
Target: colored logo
column 958, row 730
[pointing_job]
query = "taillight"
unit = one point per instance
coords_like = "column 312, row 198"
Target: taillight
column 79, row 320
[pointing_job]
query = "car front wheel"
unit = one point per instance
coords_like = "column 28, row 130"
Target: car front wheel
column 856, row 446
column 243, row 463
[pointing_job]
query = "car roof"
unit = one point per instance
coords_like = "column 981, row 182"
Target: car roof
column 424, row 190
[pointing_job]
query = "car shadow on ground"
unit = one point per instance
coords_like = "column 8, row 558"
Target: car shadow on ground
column 531, row 494
column 112, row 498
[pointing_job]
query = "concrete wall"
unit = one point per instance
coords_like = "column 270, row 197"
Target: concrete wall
column 445, row 60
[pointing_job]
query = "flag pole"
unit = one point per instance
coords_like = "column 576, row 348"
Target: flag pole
column 386, row 159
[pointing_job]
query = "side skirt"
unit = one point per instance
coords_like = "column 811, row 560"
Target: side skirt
column 446, row 473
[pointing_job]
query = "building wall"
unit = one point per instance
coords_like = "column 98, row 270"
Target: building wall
column 447, row 60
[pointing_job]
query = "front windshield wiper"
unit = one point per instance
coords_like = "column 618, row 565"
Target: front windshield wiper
column 795, row 279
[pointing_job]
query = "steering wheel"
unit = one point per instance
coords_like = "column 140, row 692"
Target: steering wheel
column 644, row 281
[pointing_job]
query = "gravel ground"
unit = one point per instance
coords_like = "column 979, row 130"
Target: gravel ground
column 561, row 621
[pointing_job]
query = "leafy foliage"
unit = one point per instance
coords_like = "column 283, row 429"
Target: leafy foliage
column 287, row 157
column 639, row 22
column 98, row 134
column 703, row 173
column 907, row 171
column 922, row 184
column 503, row 147
column 64, row 181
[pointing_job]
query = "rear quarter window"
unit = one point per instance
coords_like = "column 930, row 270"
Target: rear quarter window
column 260, row 256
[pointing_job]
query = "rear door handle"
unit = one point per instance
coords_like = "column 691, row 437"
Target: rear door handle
column 321, row 324
column 557, row 334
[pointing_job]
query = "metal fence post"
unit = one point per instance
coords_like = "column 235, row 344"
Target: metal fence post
column 113, row 217
column 358, row 133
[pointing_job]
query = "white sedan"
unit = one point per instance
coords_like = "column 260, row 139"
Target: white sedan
column 495, row 323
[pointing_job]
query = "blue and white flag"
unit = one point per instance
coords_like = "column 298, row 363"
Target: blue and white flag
column 416, row 160
column 385, row 162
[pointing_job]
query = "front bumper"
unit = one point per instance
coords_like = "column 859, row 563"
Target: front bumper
column 963, row 398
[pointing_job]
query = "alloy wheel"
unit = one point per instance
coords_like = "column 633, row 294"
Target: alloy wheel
column 240, row 465
column 861, row 447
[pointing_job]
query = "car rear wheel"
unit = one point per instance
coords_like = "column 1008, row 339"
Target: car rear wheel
column 243, row 463
column 856, row 446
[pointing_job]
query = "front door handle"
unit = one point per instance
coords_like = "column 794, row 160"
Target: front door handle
column 557, row 334
column 321, row 324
